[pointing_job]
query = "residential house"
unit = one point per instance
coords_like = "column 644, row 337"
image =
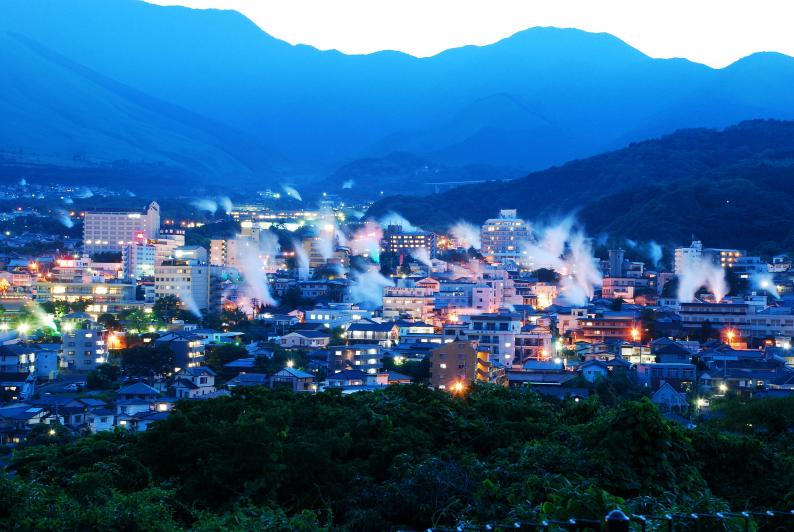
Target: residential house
column 191, row 383
column 385, row 334
column 305, row 340
column 365, row 357
column 188, row 348
column 294, row 379
column 668, row 399
column 593, row 370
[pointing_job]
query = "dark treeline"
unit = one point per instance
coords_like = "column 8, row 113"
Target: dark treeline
column 404, row 457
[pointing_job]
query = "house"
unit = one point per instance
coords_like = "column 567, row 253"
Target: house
column 673, row 353
column 75, row 412
column 680, row 376
column 385, row 334
column 297, row 380
column 101, row 420
column 191, row 383
column 47, row 361
column 241, row 364
column 333, row 315
column 188, row 348
column 248, row 379
column 668, row 399
column 538, row 378
column 398, row 378
column 17, row 358
column 213, row 336
column 366, row 357
column 349, row 377
column 17, row 421
column 305, row 340
column 143, row 420
column 134, row 399
column 17, row 386
column 259, row 349
column 592, row 370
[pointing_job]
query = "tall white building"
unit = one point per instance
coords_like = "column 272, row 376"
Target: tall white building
column 223, row 252
column 138, row 260
column 186, row 278
column 693, row 254
column 166, row 243
column 501, row 237
column 109, row 230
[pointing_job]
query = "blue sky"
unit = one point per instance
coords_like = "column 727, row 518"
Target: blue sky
column 707, row 31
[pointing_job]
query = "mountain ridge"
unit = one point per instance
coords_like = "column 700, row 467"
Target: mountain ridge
column 309, row 112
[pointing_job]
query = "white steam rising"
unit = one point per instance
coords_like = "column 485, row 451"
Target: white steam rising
column 225, row 204
column 367, row 287
column 765, row 283
column 697, row 274
column 655, row 253
column 63, row 217
column 253, row 262
column 291, row 192
column 392, row 218
column 204, row 204
column 568, row 252
column 466, row 234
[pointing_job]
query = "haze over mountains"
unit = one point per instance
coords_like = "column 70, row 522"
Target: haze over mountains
column 208, row 94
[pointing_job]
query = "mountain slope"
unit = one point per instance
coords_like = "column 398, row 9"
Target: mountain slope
column 56, row 110
column 730, row 187
column 540, row 97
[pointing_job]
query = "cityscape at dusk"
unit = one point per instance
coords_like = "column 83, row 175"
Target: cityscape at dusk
column 541, row 283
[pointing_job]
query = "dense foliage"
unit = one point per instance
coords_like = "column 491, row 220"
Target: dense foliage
column 406, row 456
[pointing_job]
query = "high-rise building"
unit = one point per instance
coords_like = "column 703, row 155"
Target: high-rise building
column 186, row 277
column 138, row 260
column 166, row 243
column 109, row 230
column 616, row 258
column 223, row 252
column 501, row 237
column 410, row 242
column 687, row 255
column 693, row 254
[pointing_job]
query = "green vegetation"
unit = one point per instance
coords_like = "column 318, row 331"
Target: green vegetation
column 404, row 457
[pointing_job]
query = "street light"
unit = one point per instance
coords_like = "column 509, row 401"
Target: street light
column 723, row 387
column 290, row 363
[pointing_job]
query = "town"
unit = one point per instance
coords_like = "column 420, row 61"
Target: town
column 115, row 329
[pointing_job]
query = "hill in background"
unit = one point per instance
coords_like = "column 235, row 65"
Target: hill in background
column 731, row 187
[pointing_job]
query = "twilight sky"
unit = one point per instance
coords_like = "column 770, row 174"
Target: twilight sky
column 707, row 31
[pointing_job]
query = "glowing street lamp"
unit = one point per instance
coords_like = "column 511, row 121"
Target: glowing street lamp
column 290, row 363
column 723, row 387
column 635, row 334
column 23, row 328
column 458, row 387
